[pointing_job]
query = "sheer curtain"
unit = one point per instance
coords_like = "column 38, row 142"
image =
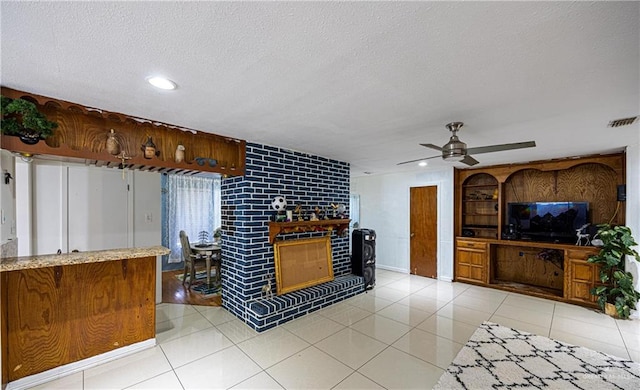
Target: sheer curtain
column 191, row 204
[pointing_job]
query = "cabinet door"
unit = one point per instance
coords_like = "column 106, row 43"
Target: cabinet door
column 471, row 261
column 581, row 277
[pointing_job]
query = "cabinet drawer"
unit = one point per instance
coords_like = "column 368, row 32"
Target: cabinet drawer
column 581, row 254
column 472, row 244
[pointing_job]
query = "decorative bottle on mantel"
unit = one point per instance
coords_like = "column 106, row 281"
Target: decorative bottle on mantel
column 112, row 144
column 180, row 154
column 149, row 148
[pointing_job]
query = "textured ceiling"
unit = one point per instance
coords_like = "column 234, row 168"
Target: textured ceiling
column 362, row 82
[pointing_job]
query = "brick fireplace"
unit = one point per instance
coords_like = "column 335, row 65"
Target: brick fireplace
column 248, row 257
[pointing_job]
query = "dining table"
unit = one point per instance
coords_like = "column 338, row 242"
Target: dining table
column 211, row 252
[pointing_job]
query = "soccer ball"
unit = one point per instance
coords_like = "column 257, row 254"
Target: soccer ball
column 279, row 203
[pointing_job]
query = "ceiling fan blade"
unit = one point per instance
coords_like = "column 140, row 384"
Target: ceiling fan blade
column 432, row 146
column 470, row 161
column 501, row 147
column 420, row 159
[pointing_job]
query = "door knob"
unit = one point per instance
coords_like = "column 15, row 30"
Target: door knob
column 411, row 235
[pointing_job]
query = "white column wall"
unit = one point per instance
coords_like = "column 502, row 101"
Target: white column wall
column 7, row 198
column 384, row 207
column 48, row 211
column 23, row 204
column 633, row 205
column 147, row 218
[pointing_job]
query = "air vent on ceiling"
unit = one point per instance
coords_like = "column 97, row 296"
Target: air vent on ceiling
column 622, row 122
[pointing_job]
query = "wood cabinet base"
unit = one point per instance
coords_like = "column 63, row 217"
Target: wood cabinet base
column 63, row 314
column 554, row 271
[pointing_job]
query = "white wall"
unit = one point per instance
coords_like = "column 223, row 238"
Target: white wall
column 7, row 198
column 147, row 221
column 48, row 211
column 98, row 208
column 86, row 208
column 384, row 207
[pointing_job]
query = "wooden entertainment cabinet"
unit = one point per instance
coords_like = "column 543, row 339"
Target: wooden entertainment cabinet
column 552, row 270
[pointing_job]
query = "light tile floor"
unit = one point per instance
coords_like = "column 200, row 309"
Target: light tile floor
column 402, row 334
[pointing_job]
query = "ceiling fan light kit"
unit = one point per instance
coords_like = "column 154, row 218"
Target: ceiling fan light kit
column 456, row 150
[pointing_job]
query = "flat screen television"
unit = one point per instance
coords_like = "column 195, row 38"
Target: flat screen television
column 548, row 221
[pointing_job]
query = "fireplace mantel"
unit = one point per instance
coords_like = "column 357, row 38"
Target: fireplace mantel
column 276, row 228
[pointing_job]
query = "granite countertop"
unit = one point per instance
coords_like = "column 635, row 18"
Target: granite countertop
column 43, row 261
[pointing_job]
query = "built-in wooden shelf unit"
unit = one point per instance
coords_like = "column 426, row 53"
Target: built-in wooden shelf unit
column 82, row 134
column 553, row 270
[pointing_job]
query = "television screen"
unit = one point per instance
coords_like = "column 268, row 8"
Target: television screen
column 548, row 220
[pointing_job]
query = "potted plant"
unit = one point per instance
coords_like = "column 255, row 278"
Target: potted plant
column 22, row 118
column 616, row 295
column 217, row 235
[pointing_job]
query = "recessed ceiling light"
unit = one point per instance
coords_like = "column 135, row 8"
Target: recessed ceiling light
column 422, row 163
column 162, row 83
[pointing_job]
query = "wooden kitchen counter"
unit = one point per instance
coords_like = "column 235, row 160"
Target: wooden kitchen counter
column 61, row 309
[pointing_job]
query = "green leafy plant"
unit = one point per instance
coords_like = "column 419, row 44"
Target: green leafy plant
column 617, row 284
column 20, row 117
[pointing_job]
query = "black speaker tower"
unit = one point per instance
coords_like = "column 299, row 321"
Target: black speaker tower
column 363, row 255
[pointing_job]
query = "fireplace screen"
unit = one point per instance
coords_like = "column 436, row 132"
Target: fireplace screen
column 302, row 263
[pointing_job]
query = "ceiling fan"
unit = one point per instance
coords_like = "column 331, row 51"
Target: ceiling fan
column 456, row 150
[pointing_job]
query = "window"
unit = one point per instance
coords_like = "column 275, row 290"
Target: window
column 354, row 211
column 191, row 204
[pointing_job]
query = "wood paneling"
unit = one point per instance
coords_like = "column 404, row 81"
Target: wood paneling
column 4, row 350
column 525, row 265
column 58, row 315
column 82, row 134
column 593, row 183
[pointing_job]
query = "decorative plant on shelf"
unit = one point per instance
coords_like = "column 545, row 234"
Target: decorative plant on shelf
column 22, row 118
column 617, row 284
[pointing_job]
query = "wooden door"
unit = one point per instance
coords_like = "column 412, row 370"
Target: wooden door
column 423, row 235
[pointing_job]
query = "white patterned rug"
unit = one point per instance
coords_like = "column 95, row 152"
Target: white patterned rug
column 497, row 357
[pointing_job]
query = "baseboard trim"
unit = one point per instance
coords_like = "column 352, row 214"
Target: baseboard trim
column 72, row 368
column 394, row 269
column 446, row 279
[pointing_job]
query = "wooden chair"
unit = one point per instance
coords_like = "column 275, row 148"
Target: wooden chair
column 190, row 259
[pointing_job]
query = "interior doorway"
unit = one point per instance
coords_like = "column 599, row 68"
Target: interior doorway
column 423, row 234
